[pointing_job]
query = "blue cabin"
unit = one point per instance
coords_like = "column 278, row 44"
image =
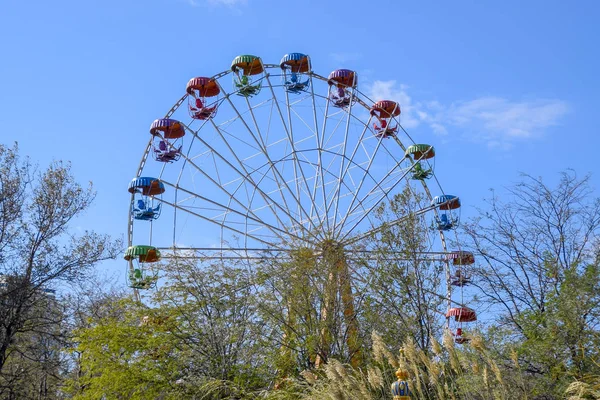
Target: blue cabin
column 446, row 218
column 295, row 67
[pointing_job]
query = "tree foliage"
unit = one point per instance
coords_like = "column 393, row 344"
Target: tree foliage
column 201, row 338
column 402, row 285
column 38, row 252
column 224, row 329
column 539, row 269
column 256, row 330
column 127, row 355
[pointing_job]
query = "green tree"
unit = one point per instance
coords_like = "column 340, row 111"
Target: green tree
column 130, row 354
column 293, row 297
column 537, row 253
column 38, row 251
column 219, row 330
column 200, row 339
column 403, row 285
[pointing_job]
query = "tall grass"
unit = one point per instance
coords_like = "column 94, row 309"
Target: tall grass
column 446, row 371
column 443, row 372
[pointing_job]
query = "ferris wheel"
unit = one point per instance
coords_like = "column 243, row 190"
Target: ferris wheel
column 262, row 159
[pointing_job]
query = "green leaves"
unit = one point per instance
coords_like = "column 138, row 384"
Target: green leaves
column 201, row 338
column 133, row 356
column 38, row 251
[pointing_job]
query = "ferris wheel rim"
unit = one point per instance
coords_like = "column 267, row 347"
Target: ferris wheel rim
column 277, row 237
column 312, row 95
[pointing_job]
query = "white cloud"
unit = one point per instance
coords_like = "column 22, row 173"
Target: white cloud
column 412, row 114
column 502, row 118
column 495, row 120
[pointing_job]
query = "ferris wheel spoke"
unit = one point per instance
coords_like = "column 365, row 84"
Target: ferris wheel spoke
column 373, row 231
column 392, row 254
column 336, row 194
column 275, row 172
column 224, row 253
column 320, row 173
column 342, row 178
column 377, row 187
column 245, row 176
column 319, row 168
column 296, row 163
column 384, row 194
column 280, row 233
column 229, row 228
column 299, row 177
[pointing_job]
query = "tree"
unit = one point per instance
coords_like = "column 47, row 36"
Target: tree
column 539, row 269
column 37, row 252
column 219, row 332
column 403, row 286
column 130, row 354
column 392, row 288
column 200, row 339
column 294, row 294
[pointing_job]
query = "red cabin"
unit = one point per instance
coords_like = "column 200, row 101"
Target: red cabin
column 203, row 97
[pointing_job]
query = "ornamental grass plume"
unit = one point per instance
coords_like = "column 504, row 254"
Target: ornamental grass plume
column 413, row 361
column 501, row 393
column 333, row 372
column 340, row 369
column 375, row 378
column 514, row 356
column 496, row 371
column 436, row 379
column 334, row 388
column 309, row 377
column 380, row 351
column 410, row 351
column 434, row 373
column 342, row 383
column 435, row 346
column 579, row 390
column 448, row 341
column 475, row 367
column 486, row 380
column 425, row 360
column 454, row 361
column 478, row 344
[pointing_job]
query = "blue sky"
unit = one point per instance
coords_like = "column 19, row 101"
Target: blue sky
column 497, row 87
